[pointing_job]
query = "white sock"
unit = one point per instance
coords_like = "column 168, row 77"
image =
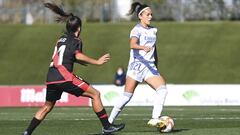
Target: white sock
column 124, row 99
column 159, row 100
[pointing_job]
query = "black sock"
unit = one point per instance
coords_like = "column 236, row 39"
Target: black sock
column 102, row 115
column 34, row 123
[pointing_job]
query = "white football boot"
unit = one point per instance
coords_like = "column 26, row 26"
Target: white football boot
column 156, row 123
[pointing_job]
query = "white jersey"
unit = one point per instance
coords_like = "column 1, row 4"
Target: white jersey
column 146, row 37
column 141, row 64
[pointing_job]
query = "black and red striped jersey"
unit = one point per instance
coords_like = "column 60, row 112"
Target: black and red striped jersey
column 61, row 66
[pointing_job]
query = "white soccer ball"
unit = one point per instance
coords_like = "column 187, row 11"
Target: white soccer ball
column 168, row 124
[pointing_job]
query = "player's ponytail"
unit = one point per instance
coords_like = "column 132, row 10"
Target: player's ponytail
column 138, row 8
column 56, row 9
column 72, row 22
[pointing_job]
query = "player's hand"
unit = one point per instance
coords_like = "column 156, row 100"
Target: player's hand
column 147, row 49
column 103, row 59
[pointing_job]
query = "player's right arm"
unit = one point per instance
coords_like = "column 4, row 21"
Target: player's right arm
column 82, row 57
column 134, row 40
column 134, row 45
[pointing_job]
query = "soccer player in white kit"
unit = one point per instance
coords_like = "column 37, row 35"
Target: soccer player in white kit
column 143, row 65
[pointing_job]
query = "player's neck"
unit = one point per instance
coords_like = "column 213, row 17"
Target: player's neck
column 144, row 25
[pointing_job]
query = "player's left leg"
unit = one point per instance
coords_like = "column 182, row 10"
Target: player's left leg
column 157, row 83
column 80, row 87
column 101, row 112
column 39, row 116
column 97, row 105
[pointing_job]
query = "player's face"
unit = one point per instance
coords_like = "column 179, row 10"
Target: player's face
column 78, row 31
column 146, row 17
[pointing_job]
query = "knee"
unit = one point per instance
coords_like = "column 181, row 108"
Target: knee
column 161, row 87
column 127, row 96
column 96, row 95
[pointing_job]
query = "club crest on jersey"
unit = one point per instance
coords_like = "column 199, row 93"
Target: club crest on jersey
column 62, row 39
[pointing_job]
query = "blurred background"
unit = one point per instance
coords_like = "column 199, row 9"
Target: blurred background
column 32, row 11
column 198, row 41
column 198, row 48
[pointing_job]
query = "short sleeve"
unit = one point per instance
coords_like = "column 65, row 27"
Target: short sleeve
column 78, row 47
column 155, row 31
column 135, row 33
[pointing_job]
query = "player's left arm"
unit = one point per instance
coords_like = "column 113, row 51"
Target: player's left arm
column 84, row 58
column 156, row 57
column 79, row 49
column 81, row 62
column 155, row 51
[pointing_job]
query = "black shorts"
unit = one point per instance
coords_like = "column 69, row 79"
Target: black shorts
column 76, row 87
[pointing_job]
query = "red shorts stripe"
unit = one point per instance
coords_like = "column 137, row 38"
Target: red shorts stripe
column 55, row 82
column 80, row 83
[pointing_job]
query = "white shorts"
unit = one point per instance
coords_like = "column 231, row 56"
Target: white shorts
column 140, row 71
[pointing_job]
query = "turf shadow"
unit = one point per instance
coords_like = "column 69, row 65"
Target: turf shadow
column 100, row 134
column 179, row 130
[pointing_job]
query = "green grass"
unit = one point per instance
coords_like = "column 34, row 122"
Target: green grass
column 192, row 52
column 212, row 120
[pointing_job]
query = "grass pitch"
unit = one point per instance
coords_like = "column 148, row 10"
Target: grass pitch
column 217, row 120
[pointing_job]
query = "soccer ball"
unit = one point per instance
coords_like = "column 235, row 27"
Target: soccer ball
column 167, row 124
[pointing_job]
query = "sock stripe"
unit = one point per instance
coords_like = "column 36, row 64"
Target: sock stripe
column 103, row 116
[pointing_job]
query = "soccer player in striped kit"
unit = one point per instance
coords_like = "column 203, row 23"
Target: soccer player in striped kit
column 68, row 50
column 143, row 64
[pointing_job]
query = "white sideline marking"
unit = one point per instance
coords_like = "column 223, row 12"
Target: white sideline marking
column 144, row 119
column 218, row 118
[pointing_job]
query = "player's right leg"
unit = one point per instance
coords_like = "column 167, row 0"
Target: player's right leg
column 39, row 116
column 130, row 86
column 53, row 94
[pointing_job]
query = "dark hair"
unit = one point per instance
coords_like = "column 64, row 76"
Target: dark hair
column 72, row 21
column 136, row 7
